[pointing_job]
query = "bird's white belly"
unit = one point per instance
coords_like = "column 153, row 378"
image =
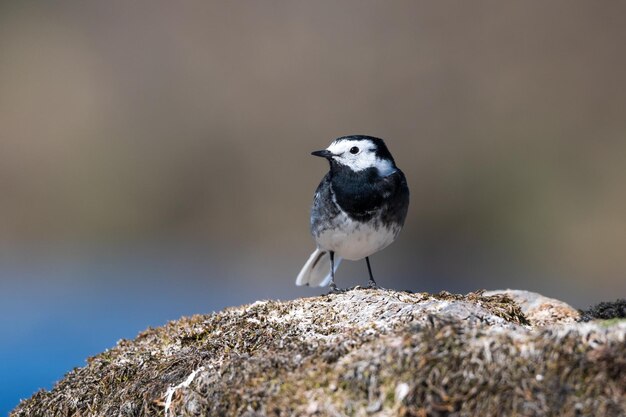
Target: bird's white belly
column 354, row 240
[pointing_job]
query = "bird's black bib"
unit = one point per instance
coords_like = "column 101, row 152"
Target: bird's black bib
column 363, row 194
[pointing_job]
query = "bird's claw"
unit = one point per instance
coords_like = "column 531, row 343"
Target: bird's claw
column 335, row 290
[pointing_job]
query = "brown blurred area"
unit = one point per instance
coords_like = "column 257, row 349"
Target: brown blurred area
column 133, row 122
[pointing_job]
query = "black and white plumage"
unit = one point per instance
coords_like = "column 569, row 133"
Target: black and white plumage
column 358, row 209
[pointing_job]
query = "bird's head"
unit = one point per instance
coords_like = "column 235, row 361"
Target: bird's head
column 359, row 153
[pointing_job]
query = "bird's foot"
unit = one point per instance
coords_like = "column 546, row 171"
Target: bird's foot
column 369, row 286
column 372, row 285
column 335, row 290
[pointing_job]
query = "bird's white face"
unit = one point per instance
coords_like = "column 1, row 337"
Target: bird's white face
column 359, row 155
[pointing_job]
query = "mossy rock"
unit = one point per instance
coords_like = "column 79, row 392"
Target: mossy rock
column 358, row 353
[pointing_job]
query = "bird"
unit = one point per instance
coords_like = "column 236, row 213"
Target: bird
column 358, row 209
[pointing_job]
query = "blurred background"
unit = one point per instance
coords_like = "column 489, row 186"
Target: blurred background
column 155, row 156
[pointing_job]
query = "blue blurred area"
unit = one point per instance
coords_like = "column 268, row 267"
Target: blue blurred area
column 54, row 313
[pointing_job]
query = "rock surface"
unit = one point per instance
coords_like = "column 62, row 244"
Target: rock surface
column 539, row 309
column 360, row 353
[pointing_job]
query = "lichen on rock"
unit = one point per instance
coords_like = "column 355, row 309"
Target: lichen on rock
column 362, row 352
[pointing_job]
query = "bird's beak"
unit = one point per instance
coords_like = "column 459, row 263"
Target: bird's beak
column 324, row 154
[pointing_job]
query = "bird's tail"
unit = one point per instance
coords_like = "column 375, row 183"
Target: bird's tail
column 316, row 271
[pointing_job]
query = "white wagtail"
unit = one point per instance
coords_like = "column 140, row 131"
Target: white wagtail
column 358, row 208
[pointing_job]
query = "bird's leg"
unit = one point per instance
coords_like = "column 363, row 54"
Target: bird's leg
column 371, row 283
column 333, row 286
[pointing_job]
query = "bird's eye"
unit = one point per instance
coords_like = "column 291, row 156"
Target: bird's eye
column 354, row 150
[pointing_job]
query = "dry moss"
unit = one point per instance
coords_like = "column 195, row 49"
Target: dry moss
column 363, row 352
column 605, row 311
